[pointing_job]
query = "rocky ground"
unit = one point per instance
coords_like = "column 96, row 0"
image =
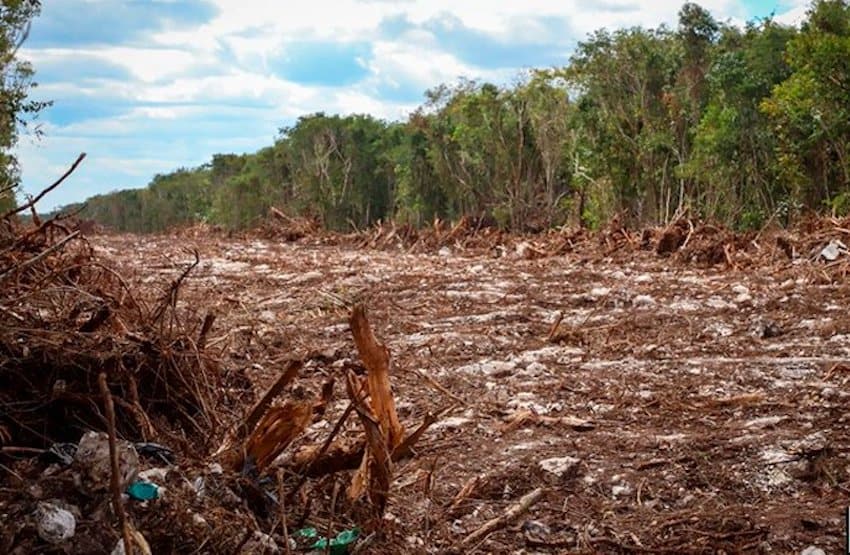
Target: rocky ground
column 660, row 406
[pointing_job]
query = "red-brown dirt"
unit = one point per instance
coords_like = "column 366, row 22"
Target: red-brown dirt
column 663, row 406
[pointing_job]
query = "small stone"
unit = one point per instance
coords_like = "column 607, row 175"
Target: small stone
column 562, row 467
column 445, row 252
column 523, row 249
column 54, row 524
column 599, row 292
column 621, row 490
column 769, row 329
column 739, row 289
column 536, row 531
column 743, row 298
column 268, row 317
column 813, row 550
column 536, row 369
column 643, row 300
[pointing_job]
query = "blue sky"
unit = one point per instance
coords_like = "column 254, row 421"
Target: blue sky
column 147, row 86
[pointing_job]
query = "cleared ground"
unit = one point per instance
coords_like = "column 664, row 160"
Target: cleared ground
column 673, row 408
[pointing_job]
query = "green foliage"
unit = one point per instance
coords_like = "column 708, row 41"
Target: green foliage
column 739, row 125
column 810, row 110
column 16, row 109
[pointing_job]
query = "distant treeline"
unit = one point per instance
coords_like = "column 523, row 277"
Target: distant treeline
column 738, row 125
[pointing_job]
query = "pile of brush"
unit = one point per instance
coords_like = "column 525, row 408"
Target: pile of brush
column 65, row 317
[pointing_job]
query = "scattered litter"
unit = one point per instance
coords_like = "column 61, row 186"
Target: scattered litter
column 54, row 524
column 93, row 462
column 833, row 250
column 143, row 491
column 155, row 451
column 62, row 453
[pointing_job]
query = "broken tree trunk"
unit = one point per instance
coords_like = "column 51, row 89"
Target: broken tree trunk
column 375, row 472
column 376, row 359
column 381, row 413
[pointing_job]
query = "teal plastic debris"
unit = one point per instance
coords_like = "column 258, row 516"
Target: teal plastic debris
column 307, row 533
column 143, row 491
column 339, row 545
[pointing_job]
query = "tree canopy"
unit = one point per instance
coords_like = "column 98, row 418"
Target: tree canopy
column 738, row 125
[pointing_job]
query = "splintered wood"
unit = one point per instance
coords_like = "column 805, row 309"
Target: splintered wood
column 235, row 447
column 376, row 358
column 277, row 429
column 266, row 431
column 384, row 432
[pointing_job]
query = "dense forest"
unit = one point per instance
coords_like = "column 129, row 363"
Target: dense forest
column 739, row 126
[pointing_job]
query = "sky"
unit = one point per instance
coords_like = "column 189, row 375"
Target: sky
column 148, row 86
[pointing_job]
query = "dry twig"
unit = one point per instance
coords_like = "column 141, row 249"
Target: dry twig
column 117, row 505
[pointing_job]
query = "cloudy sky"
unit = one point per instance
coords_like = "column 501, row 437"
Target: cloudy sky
column 146, row 86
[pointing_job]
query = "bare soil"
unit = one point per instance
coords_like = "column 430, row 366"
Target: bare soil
column 662, row 406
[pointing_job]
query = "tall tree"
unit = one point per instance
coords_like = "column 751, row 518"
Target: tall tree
column 16, row 109
column 810, row 110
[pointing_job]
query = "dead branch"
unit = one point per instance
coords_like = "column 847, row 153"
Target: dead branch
column 404, row 448
column 115, row 480
column 32, row 202
column 309, row 465
column 209, row 320
column 465, row 491
column 53, row 248
column 513, row 512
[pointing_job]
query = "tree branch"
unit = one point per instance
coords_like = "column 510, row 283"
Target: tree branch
column 39, row 196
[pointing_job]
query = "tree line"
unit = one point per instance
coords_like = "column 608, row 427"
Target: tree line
column 737, row 125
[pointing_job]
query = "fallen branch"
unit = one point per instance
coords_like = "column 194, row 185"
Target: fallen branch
column 39, row 256
column 32, row 202
column 115, row 479
column 464, row 493
column 404, row 448
column 513, row 512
